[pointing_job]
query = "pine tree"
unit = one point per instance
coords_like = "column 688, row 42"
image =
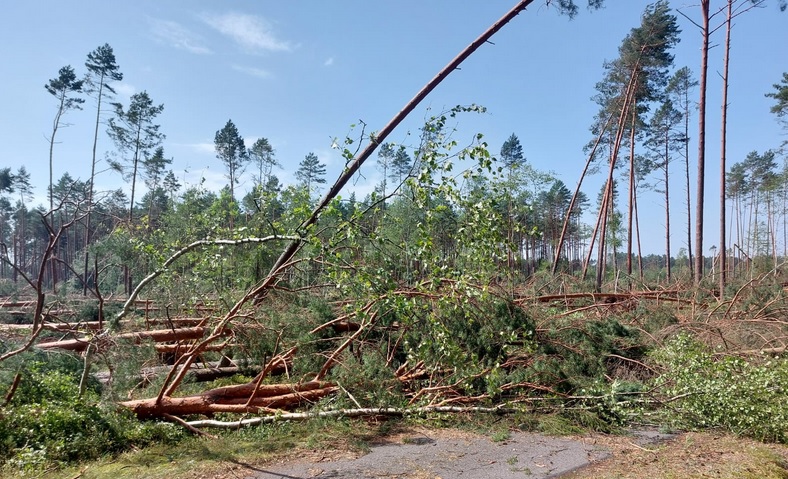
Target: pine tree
column 230, row 149
column 512, row 153
column 262, row 155
column 634, row 79
column 662, row 144
column 401, row 166
column 153, row 171
column 780, row 109
column 63, row 88
column 679, row 87
column 102, row 70
column 311, row 172
column 135, row 135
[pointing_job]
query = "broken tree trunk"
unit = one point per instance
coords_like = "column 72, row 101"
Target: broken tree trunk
column 285, row 260
column 162, row 335
column 236, row 399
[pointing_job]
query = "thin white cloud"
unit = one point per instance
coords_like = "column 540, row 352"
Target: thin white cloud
column 329, row 62
column 257, row 72
column 177, row 36
column 250, row 31
column 124, row 89
column 211, row 180
column 201, row 148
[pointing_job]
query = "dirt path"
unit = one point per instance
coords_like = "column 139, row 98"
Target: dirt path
column 451, row 454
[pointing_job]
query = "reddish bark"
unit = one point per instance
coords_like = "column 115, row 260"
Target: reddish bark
column 162, row 335
column 234, row 399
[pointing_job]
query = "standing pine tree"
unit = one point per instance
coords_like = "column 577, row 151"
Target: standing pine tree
column 311, row 172
column 153, row 171
column 780, row 109
column 634, row 79
column 262, row 155
column 663, row 133
column 135, row 135
column 102, row 70
column 230, row 149
column 63, row 89
column 679, row 88
column 401, row 166
column 513, row 159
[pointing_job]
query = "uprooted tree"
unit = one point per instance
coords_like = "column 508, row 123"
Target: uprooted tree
column 405, row 301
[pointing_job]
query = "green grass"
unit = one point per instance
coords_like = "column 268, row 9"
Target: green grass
column 198, row 457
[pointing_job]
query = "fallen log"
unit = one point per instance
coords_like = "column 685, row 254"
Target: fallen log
column 158, row 336
column 183, row 348
column 361, row 412
column 209, row 374
column 196, row 374
column 96, row 325
column 235, row 399
column 607, row 297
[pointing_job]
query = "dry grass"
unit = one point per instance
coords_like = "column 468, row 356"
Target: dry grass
column 689, row 456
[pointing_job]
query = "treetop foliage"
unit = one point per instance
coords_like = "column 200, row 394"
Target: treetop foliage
column 231, row 150
column 133, row 128
column 66, row 83
column 102, row 67
column 781, row 97
column 512, row 152
column 570, row 7
column 311, row 171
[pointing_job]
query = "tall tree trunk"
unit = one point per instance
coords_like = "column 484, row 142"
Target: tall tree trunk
column 91, row 187
column 754, row 248
column 687, row 190
column 637, row 237
column 667, row 206
column 748, row 230
column 604, row 213
column 601, row 263
column 55, row 126
column 572, row 202
column 785, row 222
column 593, row 238
column 704, row 69
column 723, row 152
column 772, row 231
column 135, row 164
column 631, row 206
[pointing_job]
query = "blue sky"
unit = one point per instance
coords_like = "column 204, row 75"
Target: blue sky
column 300, row 73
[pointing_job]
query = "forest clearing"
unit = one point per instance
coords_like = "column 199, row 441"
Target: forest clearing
column 469, row 295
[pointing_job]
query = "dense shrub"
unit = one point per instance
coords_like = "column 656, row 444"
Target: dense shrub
column 572, row 356
column 47, row 422
column 744, row 396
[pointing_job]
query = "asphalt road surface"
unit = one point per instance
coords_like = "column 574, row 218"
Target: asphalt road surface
column 442, row 455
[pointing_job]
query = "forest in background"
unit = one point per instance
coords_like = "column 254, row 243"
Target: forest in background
column 468, row 279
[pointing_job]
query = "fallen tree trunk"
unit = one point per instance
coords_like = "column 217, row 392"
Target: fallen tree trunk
column 236, row 399
column 158, row 336
column 361, row 412
column 607, row 297
column 199, row 374
column 209, row 374
column 184, row 348
column 96, row 325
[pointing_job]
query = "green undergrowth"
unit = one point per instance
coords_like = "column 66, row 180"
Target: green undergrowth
column 47, row 423
column 195, row 457
column 565, row 374
column 745, row 396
